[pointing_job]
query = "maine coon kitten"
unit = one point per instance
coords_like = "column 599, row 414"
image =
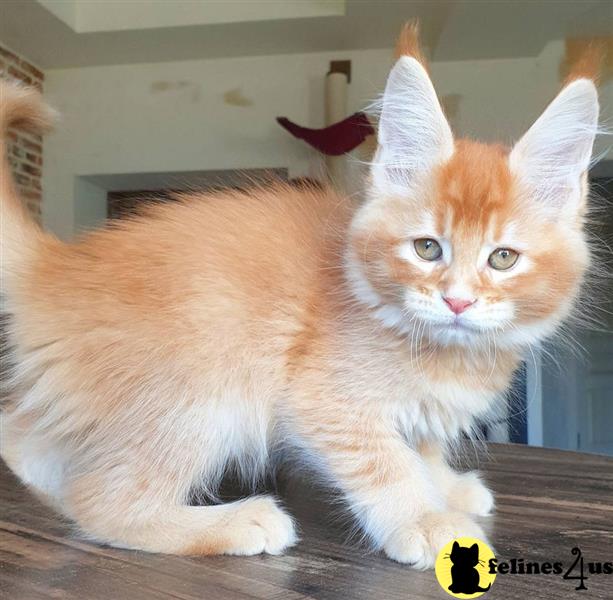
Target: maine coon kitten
column 151, row 355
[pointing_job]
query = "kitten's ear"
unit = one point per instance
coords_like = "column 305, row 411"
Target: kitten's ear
column 413, row 132
column 551, row 158
column 475, row 548
column 456, row 546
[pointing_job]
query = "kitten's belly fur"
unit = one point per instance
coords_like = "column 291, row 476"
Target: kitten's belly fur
column 233, row 410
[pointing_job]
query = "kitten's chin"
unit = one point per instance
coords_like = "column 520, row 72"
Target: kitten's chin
column 444, row 333
column 503, row 338
column 461, row 332
column 455, row 334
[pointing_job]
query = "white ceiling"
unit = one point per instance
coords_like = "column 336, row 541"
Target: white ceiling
column 74, row 33
column 88, row 16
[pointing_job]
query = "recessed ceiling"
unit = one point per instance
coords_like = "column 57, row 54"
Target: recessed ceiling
column 95, row 15
column 75, row 33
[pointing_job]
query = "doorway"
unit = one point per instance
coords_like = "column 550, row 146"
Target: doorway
column 577, row 381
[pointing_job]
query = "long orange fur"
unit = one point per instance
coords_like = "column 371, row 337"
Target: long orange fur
column 152, row 355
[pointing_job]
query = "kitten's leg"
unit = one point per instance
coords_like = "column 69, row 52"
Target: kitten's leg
column 388, row 487
column 463, row 491
column 145, row 520
column 36, row 461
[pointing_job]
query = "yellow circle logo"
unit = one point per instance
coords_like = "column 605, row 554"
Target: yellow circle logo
column 462, row 568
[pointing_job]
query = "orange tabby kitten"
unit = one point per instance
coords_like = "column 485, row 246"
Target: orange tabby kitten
column 149, row 356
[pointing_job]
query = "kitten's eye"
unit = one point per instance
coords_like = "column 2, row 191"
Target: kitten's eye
column 502, row 259
column 428, row 249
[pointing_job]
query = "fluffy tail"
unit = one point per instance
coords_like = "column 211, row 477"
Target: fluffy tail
column 21, row 107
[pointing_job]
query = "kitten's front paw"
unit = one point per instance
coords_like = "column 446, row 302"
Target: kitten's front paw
column 469, row 494
column 419, row 543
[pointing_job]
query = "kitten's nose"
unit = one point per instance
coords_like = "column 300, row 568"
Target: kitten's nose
column 458, row 305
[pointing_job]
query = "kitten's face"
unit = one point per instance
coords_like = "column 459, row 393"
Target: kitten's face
column 467, row 243
column 465, row 259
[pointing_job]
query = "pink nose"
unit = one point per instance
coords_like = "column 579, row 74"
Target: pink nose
column 458, row 305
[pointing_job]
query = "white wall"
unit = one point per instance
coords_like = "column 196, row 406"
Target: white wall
column 173, row 117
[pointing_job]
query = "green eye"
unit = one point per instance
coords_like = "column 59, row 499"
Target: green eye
column 502, row 259
column 428, row 249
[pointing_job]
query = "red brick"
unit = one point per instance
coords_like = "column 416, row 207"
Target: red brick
column 21, row 180
column 25, row 149
column 31, row 70
column 30, row 170
column 34, row 158
column 9, row 56
column 28, row 145
column 17, row 74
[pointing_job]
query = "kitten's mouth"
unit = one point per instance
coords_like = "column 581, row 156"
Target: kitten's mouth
column 455, row 331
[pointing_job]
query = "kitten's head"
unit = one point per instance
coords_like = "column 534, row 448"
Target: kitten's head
column 462, row 241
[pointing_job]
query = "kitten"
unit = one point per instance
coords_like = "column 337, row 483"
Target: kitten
column 150, row 356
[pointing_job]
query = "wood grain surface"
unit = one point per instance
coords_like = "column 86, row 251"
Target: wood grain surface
column 549, row 501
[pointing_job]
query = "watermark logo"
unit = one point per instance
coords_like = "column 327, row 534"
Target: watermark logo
column 462, row 568
column 577, row 570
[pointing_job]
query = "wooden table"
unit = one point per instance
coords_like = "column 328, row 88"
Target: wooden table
column 549, row 501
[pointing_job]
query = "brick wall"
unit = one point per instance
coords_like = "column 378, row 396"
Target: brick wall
column 25, row 149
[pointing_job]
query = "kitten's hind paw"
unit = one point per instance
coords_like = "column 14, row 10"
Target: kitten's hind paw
column 262, row 527
column 251, row 526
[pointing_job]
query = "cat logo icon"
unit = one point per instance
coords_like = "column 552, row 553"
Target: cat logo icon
column 461, row 568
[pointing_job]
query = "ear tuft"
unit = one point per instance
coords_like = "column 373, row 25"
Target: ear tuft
column 408, row 42
column 584, row 60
